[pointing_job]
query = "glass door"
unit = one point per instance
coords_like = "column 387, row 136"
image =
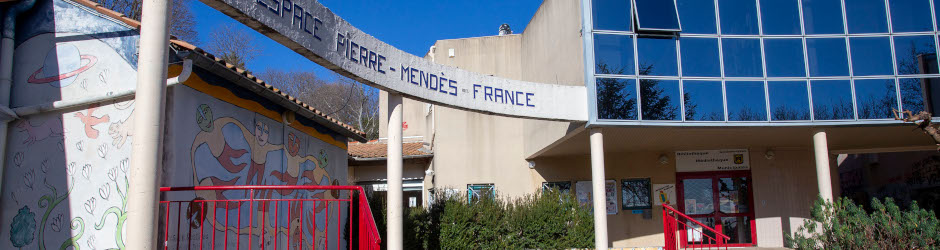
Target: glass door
column 721, row 200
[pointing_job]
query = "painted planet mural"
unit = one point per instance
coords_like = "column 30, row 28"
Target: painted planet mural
column 60, row 66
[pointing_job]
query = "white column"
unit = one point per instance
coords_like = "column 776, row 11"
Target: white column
column 147, row 149
column 395, row 210
column 598, row 189
column 823, row 180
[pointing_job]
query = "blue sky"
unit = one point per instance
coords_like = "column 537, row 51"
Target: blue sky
column 410, row 25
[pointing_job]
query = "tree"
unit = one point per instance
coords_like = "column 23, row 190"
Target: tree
column 182, row 23
column 232, row 44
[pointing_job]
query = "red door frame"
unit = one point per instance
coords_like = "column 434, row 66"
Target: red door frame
column 717, row 214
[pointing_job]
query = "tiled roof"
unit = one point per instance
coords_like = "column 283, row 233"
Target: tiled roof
column 244, row 73
column 379, row 150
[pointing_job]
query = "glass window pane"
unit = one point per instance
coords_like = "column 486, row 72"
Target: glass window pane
column 784, row 57
column 875, row 98
column 738, row 229
column 698, row 196
column 738, row 17
column 788, row 101
column 700, row 57
column 703, row 101
column 822, row 16
column 780, row 17
column 613, row 54
column 832, row 100
column 698, row 16
column 746, row 101
column 913, row 93
column 733, row 195
column 660, row 99
column 827, row 57
column 657, row 56
column 911, row 15
column 871, row 56
column 915, row 55
column 612, row 15
column 742, row 57
column 616, row 98
column 656, row 15
column 866, row 16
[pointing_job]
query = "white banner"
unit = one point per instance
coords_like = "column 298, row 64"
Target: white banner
column 712, row 160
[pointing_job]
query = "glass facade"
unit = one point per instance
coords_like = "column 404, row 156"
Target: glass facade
column 795, row 62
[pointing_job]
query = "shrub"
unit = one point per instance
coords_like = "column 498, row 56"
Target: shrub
column 844, row 225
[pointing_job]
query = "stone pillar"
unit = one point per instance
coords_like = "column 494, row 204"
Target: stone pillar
column 395, row 211
column 823, row 180
column 598, row 189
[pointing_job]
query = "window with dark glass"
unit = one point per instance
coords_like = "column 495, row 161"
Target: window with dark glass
column 875, row 98
column 784, row 57
column 910, row 15
column 746, row 101
column 660, row 99
column 866, row 16
column 475, row 192
column 656, row 15
column 915, row 90
column 698, row 16
column 738, row 17
column 822, row 16
column 871, row 56
column 915, row 55
column 657, row 56
column 742, row 57
column 780, row 17
column 789, row 100
column 827, row 57
column 616, row 99
column 703, row 101
column 700, row 57
column 612, row 15
column 613, row 54
column 832, row 100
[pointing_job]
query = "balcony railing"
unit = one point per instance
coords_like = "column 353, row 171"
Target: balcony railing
column 684, row 232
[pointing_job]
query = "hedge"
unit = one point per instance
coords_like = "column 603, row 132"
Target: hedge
column 844, row 225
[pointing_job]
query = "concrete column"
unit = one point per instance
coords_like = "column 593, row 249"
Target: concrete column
column 598, row 189
column 823, row 180
column 147, row 145
column 395, row 211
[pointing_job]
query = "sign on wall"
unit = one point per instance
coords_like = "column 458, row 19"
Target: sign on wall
column 584, row 195
column 712, row 160
column 665, row 194
column 309, row 28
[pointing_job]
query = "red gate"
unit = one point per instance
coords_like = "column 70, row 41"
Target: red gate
column 313, row 217
column 694, row 234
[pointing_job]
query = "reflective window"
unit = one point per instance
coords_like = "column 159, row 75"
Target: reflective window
column 875, row 98
column 657, row 56
column 832, row 100
column 738, row 17
column 780, row 17
column 660, row 99
column 616, row 98
column 866, row 16
column 913, row 92
column 656, row 15
column 700, row 57
column 613, row 54
column 822, row 16
column 612, row 15
column 827, row 57
column 746, row 101
column 871, row 56
column 788, row 101
column 784, row 57
column 742, row 57
column 703, row 101
column 915, row 55
column 698, row 16
column 910, row 15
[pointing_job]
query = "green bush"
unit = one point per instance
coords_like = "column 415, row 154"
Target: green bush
column 844, row 225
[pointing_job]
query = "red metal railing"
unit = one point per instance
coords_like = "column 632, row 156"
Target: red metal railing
column 312, row 218
column 696, row 236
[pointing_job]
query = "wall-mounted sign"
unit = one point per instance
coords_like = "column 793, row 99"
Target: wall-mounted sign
column 584, row 191
column 712, row 160
column 664, row 194
column 312, row 30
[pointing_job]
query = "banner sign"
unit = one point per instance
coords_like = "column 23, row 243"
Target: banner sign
column 712, row 160
column 312, row 30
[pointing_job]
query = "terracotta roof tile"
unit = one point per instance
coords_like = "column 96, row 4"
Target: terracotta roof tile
column 380, row 150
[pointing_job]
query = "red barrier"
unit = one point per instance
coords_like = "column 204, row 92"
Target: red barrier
column 703, row 237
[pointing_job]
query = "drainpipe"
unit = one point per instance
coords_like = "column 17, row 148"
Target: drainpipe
column 6, row 74
column 147, row 150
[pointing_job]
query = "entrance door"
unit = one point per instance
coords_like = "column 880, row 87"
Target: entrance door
column 721, row 200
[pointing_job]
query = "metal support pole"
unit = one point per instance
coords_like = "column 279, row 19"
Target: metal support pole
column 395, row 213
column 147, row 151
column 598, row 189
column 823, row 180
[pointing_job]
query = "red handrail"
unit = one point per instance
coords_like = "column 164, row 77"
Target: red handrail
column 672, row 219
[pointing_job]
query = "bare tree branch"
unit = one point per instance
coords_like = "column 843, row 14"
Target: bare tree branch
column 234, row 45
column 923, row 122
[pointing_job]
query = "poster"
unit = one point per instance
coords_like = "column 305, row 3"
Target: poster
column 610, row 186
column 583, row 194
column 636, row 194
column 665, row 194
column 712, row 160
